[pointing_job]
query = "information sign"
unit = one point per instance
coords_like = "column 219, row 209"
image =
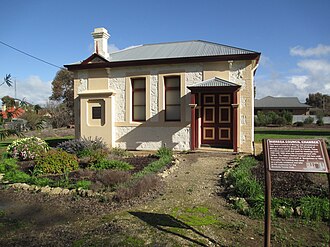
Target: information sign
column 297, row 155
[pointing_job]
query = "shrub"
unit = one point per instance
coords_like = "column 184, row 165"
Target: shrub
column 93, row 157
column 280, row 121
column 112, row 164
column 27, row 148
column 164, row 151
column 320, row 122
column 111, row 178
column 16, row 176
column 84, row 184
column 287, row 116
column 244, row 183
column 314, row 208
column 299, row 124
column 8, row 165
column 40, row 181
column 83, row 146
column 120, row 152
column 56, row 162
column 309, row 120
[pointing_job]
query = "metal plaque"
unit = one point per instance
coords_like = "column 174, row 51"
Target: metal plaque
column 297, row 155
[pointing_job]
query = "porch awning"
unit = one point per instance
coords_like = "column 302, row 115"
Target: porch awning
column 214, row 84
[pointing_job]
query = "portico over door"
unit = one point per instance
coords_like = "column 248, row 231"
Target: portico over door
column 218, row 112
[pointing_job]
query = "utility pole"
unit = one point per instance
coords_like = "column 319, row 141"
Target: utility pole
column 15, row 88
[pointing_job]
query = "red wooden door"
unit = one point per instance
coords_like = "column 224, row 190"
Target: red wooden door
column 217, row 120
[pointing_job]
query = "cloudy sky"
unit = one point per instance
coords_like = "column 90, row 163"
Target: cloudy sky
column 293, row 37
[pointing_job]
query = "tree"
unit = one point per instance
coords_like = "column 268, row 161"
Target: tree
column 7, row 80
column 62, row 89
column 321, row 101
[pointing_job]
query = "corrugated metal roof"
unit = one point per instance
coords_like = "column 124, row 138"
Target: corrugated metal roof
column 214, row 82
column 196, row 48
column 279, row 102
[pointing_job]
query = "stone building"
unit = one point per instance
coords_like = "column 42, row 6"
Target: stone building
column 183, row 95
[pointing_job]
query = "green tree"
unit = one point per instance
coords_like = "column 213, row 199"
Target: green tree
column 62, row 89
column 320, row 101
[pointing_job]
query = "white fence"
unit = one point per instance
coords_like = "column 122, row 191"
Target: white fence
column 301, row 118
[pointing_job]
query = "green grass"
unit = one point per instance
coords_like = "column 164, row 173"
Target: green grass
column 260, row 134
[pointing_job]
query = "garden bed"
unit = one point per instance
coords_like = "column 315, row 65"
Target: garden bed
column 83, row 165
column 293, row 194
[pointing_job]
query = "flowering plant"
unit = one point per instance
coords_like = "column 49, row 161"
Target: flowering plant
column 27, row 148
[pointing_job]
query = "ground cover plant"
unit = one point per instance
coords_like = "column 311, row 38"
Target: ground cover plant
column 293, row 194
column 84, row 164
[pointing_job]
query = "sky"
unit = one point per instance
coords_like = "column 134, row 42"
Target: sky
column 293, row 37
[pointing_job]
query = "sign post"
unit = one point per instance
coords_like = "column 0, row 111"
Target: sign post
column 291, row 155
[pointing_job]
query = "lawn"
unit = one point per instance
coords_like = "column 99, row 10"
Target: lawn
column 293, row 133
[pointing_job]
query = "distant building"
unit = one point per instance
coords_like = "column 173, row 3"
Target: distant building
column 182, row 95
column 280, row 104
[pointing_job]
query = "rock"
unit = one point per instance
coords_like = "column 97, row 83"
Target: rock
column 45, row 189
column 89, row 193
column 65, row 192
column 298, row 211
column 55, row 191
column 1, row 176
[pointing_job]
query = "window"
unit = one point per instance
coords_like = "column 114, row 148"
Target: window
column 172, row 98
column 139, row 99
column 96, row 112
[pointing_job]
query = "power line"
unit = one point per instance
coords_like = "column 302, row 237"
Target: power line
column 34, row 57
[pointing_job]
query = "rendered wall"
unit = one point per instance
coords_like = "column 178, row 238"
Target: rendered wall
column 240, row 72
column 155, row 132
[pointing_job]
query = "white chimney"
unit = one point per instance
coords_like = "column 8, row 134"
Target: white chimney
column 101, row 37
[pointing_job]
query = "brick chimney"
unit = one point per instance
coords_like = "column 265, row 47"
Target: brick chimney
column 101, row 37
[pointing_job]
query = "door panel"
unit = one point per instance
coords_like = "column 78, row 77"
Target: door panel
column 217, row 120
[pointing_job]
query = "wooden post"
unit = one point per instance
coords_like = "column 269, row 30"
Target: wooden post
column 192, row 122
column 268, row 199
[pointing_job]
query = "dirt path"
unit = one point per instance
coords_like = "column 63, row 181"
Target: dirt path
column 191, row 195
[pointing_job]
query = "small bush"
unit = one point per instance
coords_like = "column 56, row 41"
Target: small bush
column 40, row 181
column 320, row 122
column 309, row 120
column 315, row 208
column 56, row 162
column 244, row 183
column 112, row 164
column 16, row 176
column 84, row 184
column 8, row 165
column 298, row 124
column 110, row 178
column 83, row 146
column 27, row 148
column 93, row 157
column 120, row 152
column 164, row 151
column 280, row 121
column 287, row 116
